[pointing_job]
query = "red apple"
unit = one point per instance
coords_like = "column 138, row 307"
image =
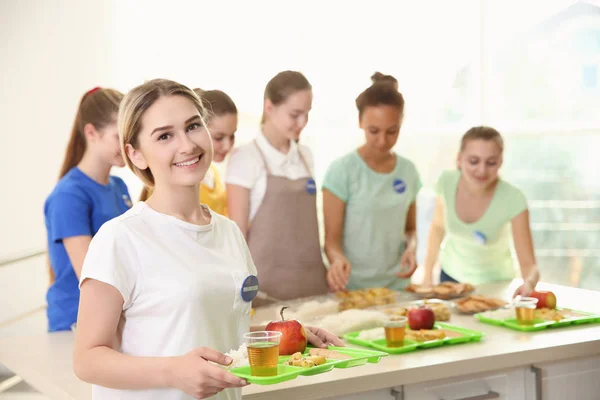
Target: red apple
column 293, row 338
column 421, row 318
column 545, row 299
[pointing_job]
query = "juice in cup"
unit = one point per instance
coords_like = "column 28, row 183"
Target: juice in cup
column 525, row 309
column 395, row 328
column 263, row 352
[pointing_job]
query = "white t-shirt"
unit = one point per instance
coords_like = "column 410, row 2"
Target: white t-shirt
column 247, row 169
column 181, row 285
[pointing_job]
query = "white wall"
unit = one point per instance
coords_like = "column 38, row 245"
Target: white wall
column 52, row 52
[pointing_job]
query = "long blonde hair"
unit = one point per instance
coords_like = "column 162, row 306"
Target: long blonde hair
column 136, row 103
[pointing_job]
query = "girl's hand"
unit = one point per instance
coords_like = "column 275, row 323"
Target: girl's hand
column 196, row 376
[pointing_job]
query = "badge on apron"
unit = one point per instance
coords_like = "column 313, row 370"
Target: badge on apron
column 249, row 288
column 399, row 186
column 127, row 201
column 479, row 237
column 311, row 186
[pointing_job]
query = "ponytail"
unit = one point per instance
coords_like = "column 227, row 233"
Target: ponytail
column 98, row 107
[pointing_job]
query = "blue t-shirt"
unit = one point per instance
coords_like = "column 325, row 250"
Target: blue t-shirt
column 78, row 206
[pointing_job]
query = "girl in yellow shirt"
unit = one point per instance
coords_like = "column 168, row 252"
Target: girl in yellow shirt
column 222, row 125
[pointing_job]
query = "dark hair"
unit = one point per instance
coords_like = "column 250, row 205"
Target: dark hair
column 98, row 107
column 483, row 133
column 216, row 102
column 383, row 91
column 283, row 85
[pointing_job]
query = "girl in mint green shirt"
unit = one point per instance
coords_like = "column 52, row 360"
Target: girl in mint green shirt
column 369, row 200
column 476, row 213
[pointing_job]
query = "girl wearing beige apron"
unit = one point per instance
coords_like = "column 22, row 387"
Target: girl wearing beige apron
column 272, row 196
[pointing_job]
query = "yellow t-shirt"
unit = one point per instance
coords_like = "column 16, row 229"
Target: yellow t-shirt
column 212, row 191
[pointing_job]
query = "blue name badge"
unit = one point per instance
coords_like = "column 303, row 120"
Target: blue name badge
column 249, row 288
column 127, row 201
column 399, row 186
column 311, row 186
column 479, row 237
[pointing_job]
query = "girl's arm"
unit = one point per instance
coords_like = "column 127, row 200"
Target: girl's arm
column 437, row 232
column 409, row 257
column 97, row 358
column 77, row 247
column 334, row 211
column 525, row 254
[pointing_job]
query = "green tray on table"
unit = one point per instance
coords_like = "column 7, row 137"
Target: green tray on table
column 467, row 335
column 541, row 324
column 288, row 372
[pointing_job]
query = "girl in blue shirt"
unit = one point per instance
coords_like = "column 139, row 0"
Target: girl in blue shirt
column 85, row 197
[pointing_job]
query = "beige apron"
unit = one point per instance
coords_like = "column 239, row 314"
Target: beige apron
column 284, row 239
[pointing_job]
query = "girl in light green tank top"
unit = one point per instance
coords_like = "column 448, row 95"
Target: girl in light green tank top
column 476, row 212
column 369, row 200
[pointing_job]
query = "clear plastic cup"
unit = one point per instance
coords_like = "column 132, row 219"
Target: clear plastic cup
column 263, row 352
column 525, row 309
column 395, row 329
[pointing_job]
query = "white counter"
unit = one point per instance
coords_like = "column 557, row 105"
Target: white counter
column 45, row 361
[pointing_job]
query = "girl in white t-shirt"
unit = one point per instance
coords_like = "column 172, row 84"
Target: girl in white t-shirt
column 272, row 195
column 162, row 286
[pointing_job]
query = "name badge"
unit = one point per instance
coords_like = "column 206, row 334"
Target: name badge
column 479, row 237
column 311, row 186
column 399, row 186
column 127, row 201
column 249, row 288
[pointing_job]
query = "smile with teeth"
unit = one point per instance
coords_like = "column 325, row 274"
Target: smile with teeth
column 189, row 162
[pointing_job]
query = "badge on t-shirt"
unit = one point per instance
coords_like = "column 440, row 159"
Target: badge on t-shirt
column 249, row 288
column 311, row 186
column 127, row 201
column 399, row 186
column 479, row 237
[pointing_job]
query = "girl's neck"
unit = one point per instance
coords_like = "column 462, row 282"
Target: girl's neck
column 374, row 157
column 275, row 138
column 474, row 191
column 95, row 168
column 181, row 202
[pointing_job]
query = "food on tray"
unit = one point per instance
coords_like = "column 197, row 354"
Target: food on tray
column 421, row 318
column 372, row 334
column 298, row 360
column 293, row 338
column 545, row 299
column 351, row 321
column 444, row 290
column 424, row 335
column 328, row 354
column 549, row 314
column 239, row 357
column 501, row 314
column 396, row 311
column 439, row 307
column 452, row 334
column 477, row 304
column 365, row 298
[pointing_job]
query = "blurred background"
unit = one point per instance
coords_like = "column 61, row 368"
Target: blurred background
column 530, row 68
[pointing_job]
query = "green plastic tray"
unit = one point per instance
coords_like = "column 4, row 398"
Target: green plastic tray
column 359, row 356
column 319, row 369
column 468, row 335
column 540, row 324
column 284, row 373
column 288, row 372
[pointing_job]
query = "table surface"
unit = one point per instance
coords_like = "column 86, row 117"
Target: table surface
column 45, row 361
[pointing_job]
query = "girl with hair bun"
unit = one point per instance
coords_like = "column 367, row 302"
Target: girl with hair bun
column 369, row 199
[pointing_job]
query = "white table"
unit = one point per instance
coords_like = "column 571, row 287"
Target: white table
column 45, row 361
